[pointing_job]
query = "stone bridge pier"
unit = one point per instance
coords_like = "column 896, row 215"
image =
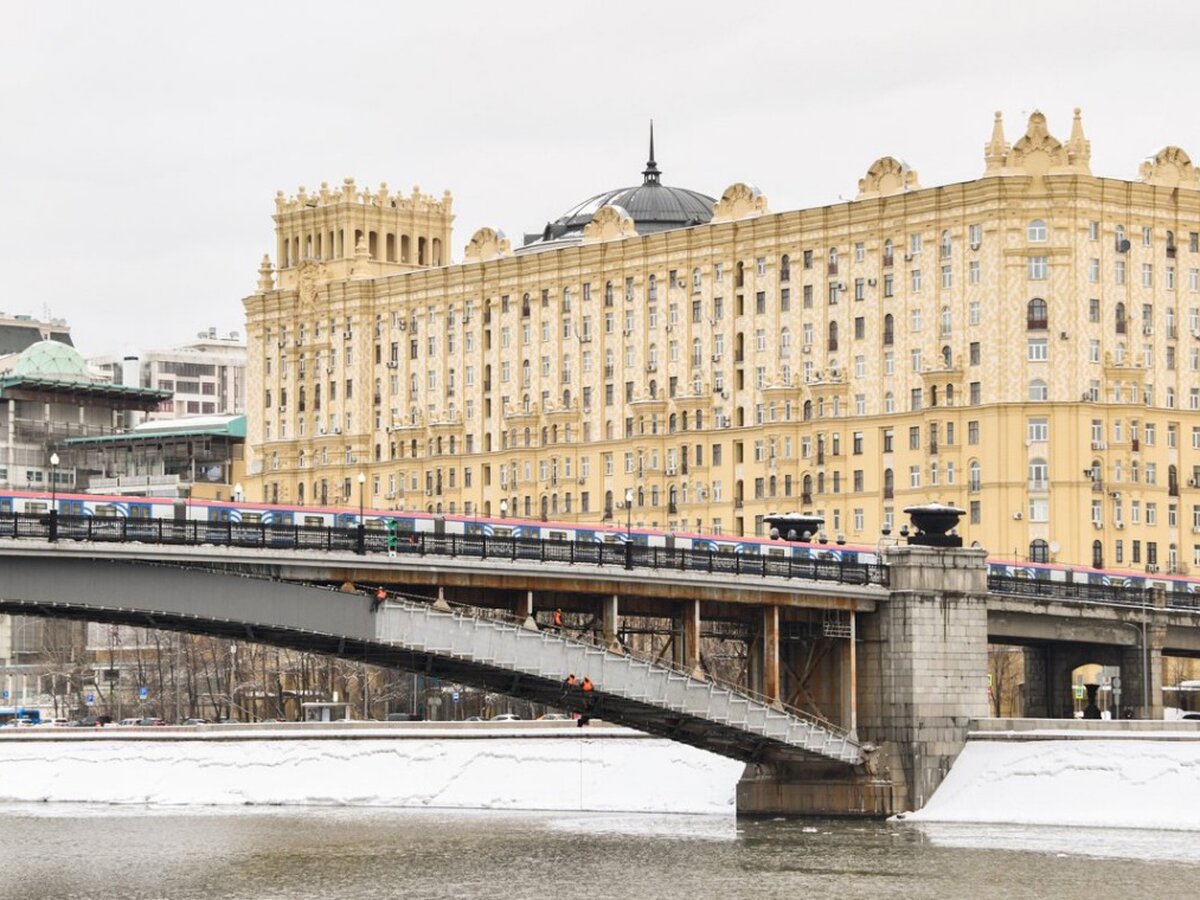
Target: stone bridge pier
column 921, row 676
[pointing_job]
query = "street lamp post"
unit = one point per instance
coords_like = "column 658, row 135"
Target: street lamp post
column 54, row 496
column 362, row 522
column 629, row 528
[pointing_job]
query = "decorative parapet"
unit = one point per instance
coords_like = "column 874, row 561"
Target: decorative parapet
column 740, row 201
column 610, row 223
column 487, row 243
column 1171, row 168
column 1038, row 152
column 349, row 193
column 887, row 176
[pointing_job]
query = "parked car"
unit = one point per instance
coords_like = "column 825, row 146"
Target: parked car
column 505, row 717
column 92, row 721
column 473, row 719
column 194, row 721
column 554, row 717
column 129, row 721
column 150, row 720
column 402, row 717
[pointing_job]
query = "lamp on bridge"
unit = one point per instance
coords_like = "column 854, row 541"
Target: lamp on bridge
column 504, row 508
column 54, row 496
column 362, row 523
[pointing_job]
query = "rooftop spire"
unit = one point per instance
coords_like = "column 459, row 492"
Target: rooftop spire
column 650, row 173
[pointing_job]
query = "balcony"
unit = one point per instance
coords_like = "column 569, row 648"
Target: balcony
column 1037, row 324
column 889, row 493
column 806, row 498
column 1039, row 484
column 672, row 507
column 833, row 268
column 888, row 260
column 1097, row 485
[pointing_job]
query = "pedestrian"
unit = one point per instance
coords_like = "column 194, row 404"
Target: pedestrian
column 589, row 700
column 558, row 622
column 570, row 680
column 380, row 596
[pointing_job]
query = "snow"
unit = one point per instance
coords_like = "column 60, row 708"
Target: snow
column 1105, row 781
column 564, row 770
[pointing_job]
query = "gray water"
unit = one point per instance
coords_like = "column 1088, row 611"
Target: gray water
column 74, row 852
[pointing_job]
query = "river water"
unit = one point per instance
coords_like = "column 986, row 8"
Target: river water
column 71, row 852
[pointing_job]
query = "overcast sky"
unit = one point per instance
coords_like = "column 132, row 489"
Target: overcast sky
column 143, row 143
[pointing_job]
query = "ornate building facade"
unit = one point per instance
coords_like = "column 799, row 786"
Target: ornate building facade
column 1025, row 345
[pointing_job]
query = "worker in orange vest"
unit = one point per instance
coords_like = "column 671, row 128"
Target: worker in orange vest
column 380, row 596
column 558, row 618
column 588, row 700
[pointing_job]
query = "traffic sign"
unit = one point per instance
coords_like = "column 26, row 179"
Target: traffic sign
column 89, row 699
column 454, row 696
column 143, row 693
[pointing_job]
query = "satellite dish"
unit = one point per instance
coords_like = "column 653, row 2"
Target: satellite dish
column 1054, row 546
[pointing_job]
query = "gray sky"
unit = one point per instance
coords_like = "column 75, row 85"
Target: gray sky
column 143, row 142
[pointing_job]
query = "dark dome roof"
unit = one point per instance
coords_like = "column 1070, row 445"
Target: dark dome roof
column 652, row 205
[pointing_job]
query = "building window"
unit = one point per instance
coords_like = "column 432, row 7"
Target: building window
column 1038, row 267
column 1036, row 232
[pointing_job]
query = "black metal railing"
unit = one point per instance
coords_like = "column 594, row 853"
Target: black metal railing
column 375, row 539
column 1080, row 591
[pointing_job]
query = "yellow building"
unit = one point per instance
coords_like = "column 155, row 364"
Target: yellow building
column 1025, row 345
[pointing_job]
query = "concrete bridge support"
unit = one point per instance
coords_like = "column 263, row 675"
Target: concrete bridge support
column 922, row 676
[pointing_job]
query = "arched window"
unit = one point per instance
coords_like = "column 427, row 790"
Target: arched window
column 833, row 337
column 889, row 402
column 525, row 306
column 808, row 409
column 566, row 398
column 888, row 252
column 947, row 321
column 1036, row 315
column 974, row 476
column 697, row 280
column 672, row 423
column 889, row 334
column 653, row 388
column 699, row 420
column 1120, row 317
column 1120, row 236
column 806, row 490
column 652, row 291
column 697, row 353
column 1037, row 231
column 946, row 244
column 889, row 484
column 785, row 341
column 1097, row 555
column 785, row 268
column 608, row 294
column 1039, row 551
column 1038, row 390
column 947, row 359
column 1172, row 481
column 949, row 395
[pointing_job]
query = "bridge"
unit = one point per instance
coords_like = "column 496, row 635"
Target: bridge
column 858, row 684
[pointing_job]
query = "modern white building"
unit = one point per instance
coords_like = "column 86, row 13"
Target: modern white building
column 207, row 376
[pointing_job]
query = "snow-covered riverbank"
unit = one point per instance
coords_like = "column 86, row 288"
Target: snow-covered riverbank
column 1115, row 780
column 608, row 769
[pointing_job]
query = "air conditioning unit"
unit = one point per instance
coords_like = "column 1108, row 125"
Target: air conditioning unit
column 974, row 245
column 841, row 285
column 402, row 324
column 835, row 373
column 392, row 364
column 629, row 331
column 716, row 357
column 1062, row 335
column 871, row 282
column 347, row 335
column 668, row 328
column 908, row 257
column 1096, row 524
column 299, row 343
column 390, row 495
column 329, row 368
column 651, row 367
column 1148, row 330
column 283, row 409
column 320, row 429
column 428, row 492
column 1119, row 525
column 337, row 430
column 1018, row 516
column 1191, row 482
column 582, row 480
column 1152, row 569
column 671, row 470
column 807, row 348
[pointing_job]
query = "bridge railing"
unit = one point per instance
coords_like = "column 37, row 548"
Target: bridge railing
column 376, row 541
column 592, row 638
column 1078, row 591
